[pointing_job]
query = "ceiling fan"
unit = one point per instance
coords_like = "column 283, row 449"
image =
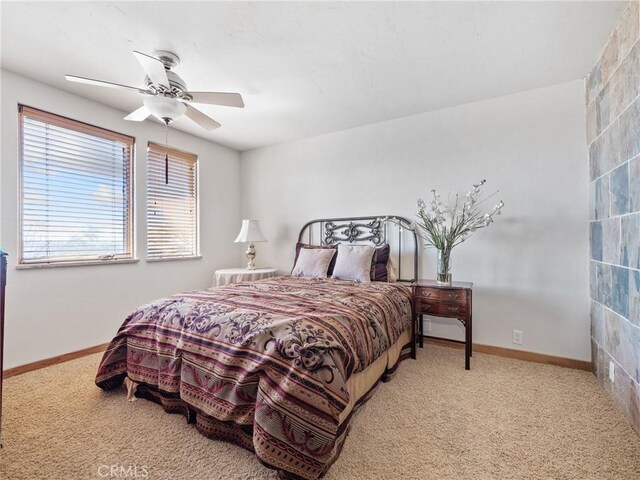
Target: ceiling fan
column 167, row 97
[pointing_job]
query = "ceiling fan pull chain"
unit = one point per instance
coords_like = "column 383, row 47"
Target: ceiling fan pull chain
column 166, row 153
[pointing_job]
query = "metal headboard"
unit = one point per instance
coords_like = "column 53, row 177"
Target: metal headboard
column 376, row 231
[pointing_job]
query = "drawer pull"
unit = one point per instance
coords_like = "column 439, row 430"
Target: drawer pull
column 452, row 309
column 453, row 296
column 426, row 294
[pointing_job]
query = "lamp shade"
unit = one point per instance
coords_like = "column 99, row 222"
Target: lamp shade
column 164, row 107
column 250, row 232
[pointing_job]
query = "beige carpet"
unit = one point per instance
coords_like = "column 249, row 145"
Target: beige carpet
column 504, row 419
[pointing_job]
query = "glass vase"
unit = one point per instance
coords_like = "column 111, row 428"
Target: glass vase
column 444, row 267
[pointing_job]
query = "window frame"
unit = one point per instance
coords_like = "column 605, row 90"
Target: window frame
column 176, row 153
column 89, row 129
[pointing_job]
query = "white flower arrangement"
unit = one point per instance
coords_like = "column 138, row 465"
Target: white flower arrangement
column 445, row 226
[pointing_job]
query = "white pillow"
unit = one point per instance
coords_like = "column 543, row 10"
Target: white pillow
column 354, row 263
column 313, row 262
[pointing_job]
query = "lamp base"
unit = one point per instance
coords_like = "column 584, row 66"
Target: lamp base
column 251, row 254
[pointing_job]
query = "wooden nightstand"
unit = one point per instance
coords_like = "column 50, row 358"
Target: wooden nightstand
column 450, row 301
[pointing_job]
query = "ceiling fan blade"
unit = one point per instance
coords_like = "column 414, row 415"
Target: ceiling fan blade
column 154, row 68
column 218, row 98
column 201, row 119
column 101, row 83
column 138, row 115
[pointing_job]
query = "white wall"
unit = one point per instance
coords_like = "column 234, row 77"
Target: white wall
column 529, row 268
column 52, row 311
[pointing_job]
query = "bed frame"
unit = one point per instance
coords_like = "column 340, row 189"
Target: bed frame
column 376, row 231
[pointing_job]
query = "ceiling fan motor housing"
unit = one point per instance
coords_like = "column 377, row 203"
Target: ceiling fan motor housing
column 178, row 86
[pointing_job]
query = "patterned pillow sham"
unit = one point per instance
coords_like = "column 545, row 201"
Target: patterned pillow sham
column 379, row 272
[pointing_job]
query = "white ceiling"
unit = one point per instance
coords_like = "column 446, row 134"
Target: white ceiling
column 309, row 68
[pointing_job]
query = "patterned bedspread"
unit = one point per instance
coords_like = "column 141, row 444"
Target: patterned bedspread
column 270, row 357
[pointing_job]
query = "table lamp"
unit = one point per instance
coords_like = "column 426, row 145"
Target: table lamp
column 250, row 232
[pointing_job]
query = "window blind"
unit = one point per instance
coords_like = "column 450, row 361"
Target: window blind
column 76, row 191
column 172, row 219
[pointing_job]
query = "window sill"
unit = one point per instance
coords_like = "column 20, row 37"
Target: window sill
column 32, row 266
column 171, row 259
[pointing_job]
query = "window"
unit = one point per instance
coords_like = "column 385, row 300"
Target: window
column 172, row 217
column 76, row 192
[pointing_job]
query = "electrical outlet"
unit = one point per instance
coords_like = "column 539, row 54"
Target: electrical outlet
column 427, row 325
column 612, row 372
column 517, row 337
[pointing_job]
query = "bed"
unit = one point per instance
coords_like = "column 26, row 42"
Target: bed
column 277, row 366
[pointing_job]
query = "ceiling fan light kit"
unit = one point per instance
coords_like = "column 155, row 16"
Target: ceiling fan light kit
column 167, row 97
column 164, row 108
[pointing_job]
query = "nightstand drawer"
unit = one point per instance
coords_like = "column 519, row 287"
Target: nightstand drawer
column 442, row 309
column 441, row 294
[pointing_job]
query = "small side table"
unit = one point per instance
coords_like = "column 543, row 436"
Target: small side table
column 450, row 301
column 227, row 276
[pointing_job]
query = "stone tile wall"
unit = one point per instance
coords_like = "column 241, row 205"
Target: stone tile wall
column 613, row 135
